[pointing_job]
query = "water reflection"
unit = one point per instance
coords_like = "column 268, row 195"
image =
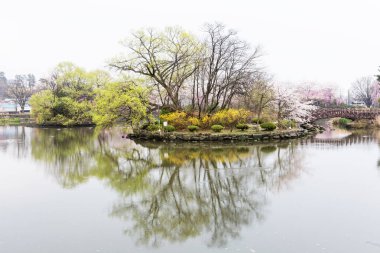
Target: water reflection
column 169, row 192
column 172, row 192
column 352, row 138
column 14, row 139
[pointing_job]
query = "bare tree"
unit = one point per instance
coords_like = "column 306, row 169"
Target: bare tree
column 168, row 58
column 21, row 89
column 260, row 94
column 365, row 90
column 51, row 83
column 227, row 67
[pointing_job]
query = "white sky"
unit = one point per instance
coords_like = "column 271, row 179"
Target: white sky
column 328, row 41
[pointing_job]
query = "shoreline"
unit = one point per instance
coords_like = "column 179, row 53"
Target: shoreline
column 306, row 131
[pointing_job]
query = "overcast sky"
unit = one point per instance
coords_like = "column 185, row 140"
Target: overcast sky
column 327, row 41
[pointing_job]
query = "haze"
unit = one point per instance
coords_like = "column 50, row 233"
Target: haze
column 321, row 41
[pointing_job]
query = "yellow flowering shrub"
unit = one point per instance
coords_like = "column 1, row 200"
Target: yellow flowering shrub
column 206, row 122
column 176, row 119
column 194, row 121
column 230, row 117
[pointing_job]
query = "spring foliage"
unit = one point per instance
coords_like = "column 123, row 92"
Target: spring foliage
column 124, row 102
column 230, row 117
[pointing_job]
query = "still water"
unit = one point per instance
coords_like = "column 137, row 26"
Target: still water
column 79, row 191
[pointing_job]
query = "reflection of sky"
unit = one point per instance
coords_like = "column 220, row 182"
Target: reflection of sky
column 336, row 133
column 332, row 206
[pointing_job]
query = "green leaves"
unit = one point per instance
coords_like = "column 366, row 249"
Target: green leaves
column 68, row 96
column 125, row 102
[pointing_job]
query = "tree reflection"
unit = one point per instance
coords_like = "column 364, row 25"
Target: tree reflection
column 14, row 137
column 67, row 153
column 172, row 192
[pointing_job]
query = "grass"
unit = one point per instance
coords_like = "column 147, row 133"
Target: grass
column 10, row 121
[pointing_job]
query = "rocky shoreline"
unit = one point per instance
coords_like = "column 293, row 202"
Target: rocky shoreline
column 304, row 131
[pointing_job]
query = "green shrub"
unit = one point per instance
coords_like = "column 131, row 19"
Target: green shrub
column 193, row 128
column 285, row 124
column 153, row 128
column 242, row 126
column 344, row 121
column 169, row 128
column 217, row 128
column 268, row 126
column 257, row 121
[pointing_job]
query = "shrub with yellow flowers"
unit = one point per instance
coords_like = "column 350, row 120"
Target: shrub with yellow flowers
column 230, row 117
column 193, row 121
column 176, row 119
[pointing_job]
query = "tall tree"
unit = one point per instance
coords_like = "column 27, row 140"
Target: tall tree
column 21, row 89
column 227, row 67
column 125, row 102
column 260, row 94
column 168, row 58
column 365, row 89
column 68, row 95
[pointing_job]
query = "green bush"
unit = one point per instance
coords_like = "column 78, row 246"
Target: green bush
column 217, row 128
column 193, row 128
column 169, row 128
column 242, row 127
column 268, row 126
column 257, row 121
column 153, row 128
column 285, row 124
column 344, row 121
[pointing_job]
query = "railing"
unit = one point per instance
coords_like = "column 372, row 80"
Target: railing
column 351, row 113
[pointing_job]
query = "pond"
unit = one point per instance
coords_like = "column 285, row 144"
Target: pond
column 79, row 190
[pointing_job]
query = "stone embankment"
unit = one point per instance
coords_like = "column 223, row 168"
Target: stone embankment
column 304, row 131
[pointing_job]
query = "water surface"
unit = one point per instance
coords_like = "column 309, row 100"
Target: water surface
column 77, row 190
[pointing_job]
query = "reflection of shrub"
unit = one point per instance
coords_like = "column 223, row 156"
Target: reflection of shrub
column 242, row 127
column 283, row 145
column 169, row 128
column 217, row 128
column 243, row 150
column 268, row 149
column 268, row 126
column 153, row 128
column 176, row 119
column 218, row 150
column 193, row 128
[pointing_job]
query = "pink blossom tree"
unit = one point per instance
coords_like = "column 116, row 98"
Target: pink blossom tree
column 319, row 95
column 288, row 104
